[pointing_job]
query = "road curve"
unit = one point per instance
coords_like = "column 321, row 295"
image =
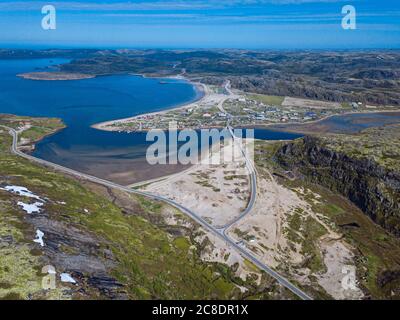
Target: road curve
column 253, row 183
column 218, row 232
column 249, row 163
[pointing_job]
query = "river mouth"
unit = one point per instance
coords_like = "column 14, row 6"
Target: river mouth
column 350, row 123
column 116, row 156
column 119, row 157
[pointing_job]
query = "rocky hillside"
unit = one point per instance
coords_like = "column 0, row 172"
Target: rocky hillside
column 64, row 238
column 363, row 167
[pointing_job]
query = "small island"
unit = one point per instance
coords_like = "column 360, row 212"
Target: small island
column 55, row 76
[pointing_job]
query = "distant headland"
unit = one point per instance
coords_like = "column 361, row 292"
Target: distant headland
column 55, row 76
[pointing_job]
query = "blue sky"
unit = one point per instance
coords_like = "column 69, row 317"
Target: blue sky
column 273, row 24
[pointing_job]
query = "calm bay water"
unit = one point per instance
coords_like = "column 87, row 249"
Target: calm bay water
column 111, row 155
column 81, row 103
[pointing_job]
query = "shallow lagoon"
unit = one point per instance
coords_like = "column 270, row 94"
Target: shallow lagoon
column 80, row 103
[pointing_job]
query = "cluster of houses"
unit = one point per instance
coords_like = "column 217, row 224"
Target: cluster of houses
column 240, row 111
column 258, row 111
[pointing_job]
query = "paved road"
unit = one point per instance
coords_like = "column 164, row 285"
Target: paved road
column 249, row 162
column 218, row 232
column 253, row 183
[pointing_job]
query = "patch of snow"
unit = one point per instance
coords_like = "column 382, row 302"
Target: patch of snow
column 65, row 277
column 22, row 191
column 30, row 208
column 39, row 238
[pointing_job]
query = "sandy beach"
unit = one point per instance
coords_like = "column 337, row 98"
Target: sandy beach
column 204, row 93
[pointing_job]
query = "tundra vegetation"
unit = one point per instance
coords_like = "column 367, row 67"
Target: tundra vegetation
column 370, row 77
column 356, row 178
column 114, row 245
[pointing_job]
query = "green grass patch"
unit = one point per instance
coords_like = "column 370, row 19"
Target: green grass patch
column 267, row 99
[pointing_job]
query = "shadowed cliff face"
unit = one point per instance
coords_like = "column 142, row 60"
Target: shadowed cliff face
column 373, row 188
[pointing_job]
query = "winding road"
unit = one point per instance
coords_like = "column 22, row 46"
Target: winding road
column 219, row 232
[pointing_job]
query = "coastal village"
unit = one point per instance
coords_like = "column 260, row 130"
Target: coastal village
column 241, row 109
